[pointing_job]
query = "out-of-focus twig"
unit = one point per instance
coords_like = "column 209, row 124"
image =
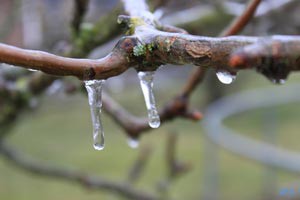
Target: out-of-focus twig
column 80, row 8
column 241, row 21
column 94, row 35
column 236, row 26
column 10, row 19
column 90, row 181
column 175, row 167
column 135, row 126
column 139, row 165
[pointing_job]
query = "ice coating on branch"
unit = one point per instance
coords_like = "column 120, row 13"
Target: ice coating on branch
column 133, row 143
column 146, row 81
column 94, row 89
column 225, row 77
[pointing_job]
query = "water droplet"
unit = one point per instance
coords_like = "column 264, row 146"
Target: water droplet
column 146, row 81
column 94, row 89
column 133, row 143
column 225, row 77
column 32, row 70
column 279, row 81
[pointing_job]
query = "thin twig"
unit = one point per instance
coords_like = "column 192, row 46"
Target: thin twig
column 240, row 22
column 175, row 167
column 80, row 8
column 236, row 26
column 139, row 165
column 91, row 181
column 135, row 126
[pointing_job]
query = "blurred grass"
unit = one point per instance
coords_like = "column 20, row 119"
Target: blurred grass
column 59, row 133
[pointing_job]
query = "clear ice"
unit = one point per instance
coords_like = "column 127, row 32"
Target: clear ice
column 225, row 77
column 146, row 81
column 133, row 143
column 94, row 89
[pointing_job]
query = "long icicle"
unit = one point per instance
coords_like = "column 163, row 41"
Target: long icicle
column 146, row 81
column 94, row 89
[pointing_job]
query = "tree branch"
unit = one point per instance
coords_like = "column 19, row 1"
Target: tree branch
column 95, row 35
column 80, row 7
column 160, row 48
column 235, row 27
column 240, row 22
column 145, row 50
column 91, row 181
column 198, row 75
column 139, row 164
column 135, row 126
column 274, row 57
column 111, row 65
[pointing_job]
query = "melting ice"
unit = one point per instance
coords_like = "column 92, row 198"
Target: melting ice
column 146, row 81
column 94, row 89
column 225, row 77
column 133, row 143
column 278, row 81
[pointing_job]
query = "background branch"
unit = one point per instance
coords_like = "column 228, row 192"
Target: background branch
column 80, row 8
column 90, row 181
column 240, row 22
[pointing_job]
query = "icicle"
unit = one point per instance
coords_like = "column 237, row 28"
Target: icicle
column 225, row 77
column 146, row 81
column 133, row 143
column 94, row 89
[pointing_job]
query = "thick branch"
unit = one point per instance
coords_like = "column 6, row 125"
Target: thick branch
column 273, row 57
column 111, row 65
column 154, row 49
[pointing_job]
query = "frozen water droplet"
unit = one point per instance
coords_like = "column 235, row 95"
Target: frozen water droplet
column 153, row 117
column 146, row 81
column 133, row 143
column 94, row 89
column 225, row 77
column 279, row 81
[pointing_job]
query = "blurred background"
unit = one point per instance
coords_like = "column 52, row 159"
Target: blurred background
column 56, row 127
